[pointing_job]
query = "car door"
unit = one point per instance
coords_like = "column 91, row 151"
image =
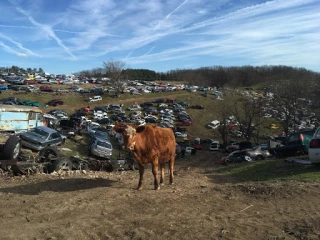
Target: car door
column 54, row 139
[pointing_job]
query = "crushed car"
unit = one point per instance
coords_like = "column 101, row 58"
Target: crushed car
column 41, row 137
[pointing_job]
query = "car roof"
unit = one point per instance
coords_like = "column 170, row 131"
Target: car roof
column 46, row 129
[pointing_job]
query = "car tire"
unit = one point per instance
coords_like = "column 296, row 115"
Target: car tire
column 11, row 149
column 64, row 164
column 259, row 157
column 47, row 153
column 84, row 165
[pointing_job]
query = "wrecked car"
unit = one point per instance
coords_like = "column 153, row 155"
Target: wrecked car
column 101, row 148
column 41, row 137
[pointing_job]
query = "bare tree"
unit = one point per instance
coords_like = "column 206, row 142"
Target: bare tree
column 288, row 100
column 248, row 113
column 224, row 111
column 114, row 70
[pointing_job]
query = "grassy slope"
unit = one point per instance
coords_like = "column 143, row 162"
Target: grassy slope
column 269, row 170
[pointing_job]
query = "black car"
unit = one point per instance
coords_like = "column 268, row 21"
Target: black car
column 151, row 120
column 116, row 118
column 197, row 107
column 159, row 100
column 104, row 121
column 146, row 104
column 102, row 109
column 151, row 110
column 11, row 100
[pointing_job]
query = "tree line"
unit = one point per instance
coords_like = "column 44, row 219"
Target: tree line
column 218, row 76
column 19, row 70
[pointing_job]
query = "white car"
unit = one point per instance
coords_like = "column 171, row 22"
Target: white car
column 99, row 115
column 214, row 124
column 135, row 107
column 95, row 99
column 180, row 135
column 141, row 122
column 314, row 147
column 214, row 146
column 146, row 91
column 62, row 90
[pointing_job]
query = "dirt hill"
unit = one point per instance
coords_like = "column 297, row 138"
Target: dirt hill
column 202, row 204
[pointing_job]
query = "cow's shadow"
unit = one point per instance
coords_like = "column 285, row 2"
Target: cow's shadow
column 58, row 185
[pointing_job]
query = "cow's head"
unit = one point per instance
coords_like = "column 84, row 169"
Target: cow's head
column 129, row 134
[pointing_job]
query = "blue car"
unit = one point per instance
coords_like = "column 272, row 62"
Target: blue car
column 3, row 87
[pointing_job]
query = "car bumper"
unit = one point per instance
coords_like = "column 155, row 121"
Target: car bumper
column 103, row 154
column 314, row 155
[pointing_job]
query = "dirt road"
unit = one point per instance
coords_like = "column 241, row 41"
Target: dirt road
column 200, row 205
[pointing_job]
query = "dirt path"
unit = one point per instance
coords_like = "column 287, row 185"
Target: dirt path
column 200, row 205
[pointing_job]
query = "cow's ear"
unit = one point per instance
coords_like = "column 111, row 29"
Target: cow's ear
column 140, row 129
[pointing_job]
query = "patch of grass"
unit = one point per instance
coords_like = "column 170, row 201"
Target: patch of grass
column 271, row 170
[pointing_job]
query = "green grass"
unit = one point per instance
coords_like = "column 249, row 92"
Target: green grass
column 272, row 170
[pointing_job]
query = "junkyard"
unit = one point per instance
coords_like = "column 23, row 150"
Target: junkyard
column 66, row 174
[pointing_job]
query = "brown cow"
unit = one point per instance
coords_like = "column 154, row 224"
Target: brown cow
column 150, row 144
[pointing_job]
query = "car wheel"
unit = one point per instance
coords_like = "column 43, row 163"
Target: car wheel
column 84, row 165
column 134, row 166
column 259, row 157
column 12, row 148
column 64, row 164
column 49, row 152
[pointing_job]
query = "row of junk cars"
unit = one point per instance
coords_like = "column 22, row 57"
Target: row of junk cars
column 96, row 123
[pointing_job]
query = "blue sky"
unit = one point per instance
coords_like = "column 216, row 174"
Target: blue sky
column 65, row 36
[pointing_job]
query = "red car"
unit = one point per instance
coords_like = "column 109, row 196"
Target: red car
column 29, row 82
column 86, row 109
column 46, row 88
column 55, row 102
column 185, row 123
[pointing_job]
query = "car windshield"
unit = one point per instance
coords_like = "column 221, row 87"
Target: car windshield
column 39, row 133
column 104, row 144
column 100, row 134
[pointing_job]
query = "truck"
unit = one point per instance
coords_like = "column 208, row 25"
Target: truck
column 17, row 118
column 296, row 144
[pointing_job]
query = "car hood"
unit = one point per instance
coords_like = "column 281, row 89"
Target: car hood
column 31, row 138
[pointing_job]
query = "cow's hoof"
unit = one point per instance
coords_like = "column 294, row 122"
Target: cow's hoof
column 157, row 188
column 139, row 188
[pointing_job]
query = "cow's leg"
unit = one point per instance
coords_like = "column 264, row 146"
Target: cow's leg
column 155, row 175
column 141, row 171
column 162, row 165
column 171, row 167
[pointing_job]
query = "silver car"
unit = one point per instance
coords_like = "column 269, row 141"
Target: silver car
column 101, row 148
column 258, row 153
column 41, row 137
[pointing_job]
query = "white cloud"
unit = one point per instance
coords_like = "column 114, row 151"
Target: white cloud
column 19, row 45
column 47, row 29
column 21, row 54
column 219, row 31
